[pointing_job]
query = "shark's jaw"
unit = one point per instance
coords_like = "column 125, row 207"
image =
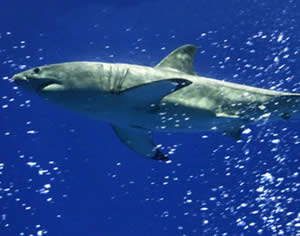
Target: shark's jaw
column 38, row 85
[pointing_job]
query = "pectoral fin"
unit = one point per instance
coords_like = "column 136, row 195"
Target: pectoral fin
column 285, row 116
column 140, row 141
column 152, row 93
column 234, row 133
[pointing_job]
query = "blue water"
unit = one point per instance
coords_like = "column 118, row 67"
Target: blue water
column 62, row 174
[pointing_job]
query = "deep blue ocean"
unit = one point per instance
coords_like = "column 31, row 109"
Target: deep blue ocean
column 64, row 174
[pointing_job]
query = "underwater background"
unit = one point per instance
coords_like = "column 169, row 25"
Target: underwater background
column 63, row 174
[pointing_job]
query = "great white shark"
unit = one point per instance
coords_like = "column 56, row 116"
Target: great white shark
column 170, row 97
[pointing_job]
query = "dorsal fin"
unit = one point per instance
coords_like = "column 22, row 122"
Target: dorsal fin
column 181, row 59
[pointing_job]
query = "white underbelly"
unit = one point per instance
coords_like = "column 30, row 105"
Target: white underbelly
column 181, row 120
column 165, row 119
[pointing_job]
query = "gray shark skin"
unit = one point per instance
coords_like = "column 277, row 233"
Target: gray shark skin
column 137, row 100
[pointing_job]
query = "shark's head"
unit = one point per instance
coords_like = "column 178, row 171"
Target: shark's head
column 59, row 78
column 67, row 84
column 72, row 77
column 42, row 80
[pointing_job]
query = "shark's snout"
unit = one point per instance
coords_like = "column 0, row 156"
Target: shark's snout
column 19, row 78
column 22, row 81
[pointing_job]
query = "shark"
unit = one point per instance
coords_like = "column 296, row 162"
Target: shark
column 138, row 100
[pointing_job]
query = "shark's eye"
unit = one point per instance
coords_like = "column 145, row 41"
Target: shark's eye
column 36, row 70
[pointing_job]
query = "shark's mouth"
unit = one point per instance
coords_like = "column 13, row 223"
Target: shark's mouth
column 48, row 85
column 44, row 85
column 38, row 85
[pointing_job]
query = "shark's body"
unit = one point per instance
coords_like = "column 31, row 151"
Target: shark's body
column 170, row 97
